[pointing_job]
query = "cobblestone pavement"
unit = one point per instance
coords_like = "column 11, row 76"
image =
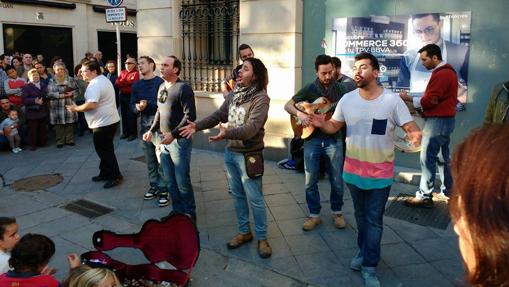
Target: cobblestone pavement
column 412, row 255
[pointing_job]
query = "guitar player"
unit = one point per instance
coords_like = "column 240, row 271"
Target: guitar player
column 319, row 146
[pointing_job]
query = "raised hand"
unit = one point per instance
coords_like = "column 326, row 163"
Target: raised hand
column 220, row 136
column 189, row 130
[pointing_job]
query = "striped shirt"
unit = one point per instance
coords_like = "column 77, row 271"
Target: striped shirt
column 369, row 160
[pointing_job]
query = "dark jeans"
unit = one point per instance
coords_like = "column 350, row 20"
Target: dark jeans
column 103, row 143
column 369, row 206
column 37, row 132
column 128, row 116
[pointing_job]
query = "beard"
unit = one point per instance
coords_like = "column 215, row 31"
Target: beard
column 361, row 83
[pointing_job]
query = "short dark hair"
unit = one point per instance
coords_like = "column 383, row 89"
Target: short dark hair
column 77, row 69
column 92, row 66
column 111, row 62
column 9, row 67
column 2, row 57
column 336, row 62
column 54, row 59
column 5, row 221
column 150, row 61
column 260, row 72
column 176, row 63
column 373, row 59
column 436, row 16
column 432, row 50
column 244, row 46
column 32, row 251
column 322, row 60
column 479, row 197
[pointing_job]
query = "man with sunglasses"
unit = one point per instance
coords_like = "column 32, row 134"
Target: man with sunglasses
column 414, row 76
column 175, row 107
column 144, row 103
column 124, row 82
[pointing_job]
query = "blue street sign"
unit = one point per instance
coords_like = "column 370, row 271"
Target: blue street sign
column 115, row 3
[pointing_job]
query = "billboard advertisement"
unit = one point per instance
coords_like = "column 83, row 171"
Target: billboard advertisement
column 395, row 41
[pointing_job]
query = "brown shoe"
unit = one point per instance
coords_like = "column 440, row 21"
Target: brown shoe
column 339, row 221
column 264, row 249
column 423, row 203
column 311, row 223
column 238, row 240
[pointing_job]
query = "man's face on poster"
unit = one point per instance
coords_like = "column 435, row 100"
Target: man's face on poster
column 427, row 29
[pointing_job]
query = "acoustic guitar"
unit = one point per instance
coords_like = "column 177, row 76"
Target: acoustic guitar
column 322, row 105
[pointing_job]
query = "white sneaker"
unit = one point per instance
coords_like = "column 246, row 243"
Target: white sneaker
column 20, row 149
column 15, row 150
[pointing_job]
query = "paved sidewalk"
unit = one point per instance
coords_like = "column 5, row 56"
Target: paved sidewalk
column 412, row 255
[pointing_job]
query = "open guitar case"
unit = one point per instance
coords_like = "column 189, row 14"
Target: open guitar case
column 174, row 240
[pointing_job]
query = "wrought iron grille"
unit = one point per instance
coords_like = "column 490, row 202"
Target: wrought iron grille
column 210, row 34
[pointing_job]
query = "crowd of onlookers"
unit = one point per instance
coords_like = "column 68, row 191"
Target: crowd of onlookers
column 33, row 97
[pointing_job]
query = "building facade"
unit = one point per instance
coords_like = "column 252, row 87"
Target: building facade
column 64, row 28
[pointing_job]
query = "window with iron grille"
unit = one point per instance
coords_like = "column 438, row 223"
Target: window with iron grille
column 210, row 33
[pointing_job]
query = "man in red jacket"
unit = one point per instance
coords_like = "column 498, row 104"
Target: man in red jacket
column 439, row 108
column 124, row 82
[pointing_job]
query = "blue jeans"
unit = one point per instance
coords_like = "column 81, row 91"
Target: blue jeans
column 156, row 175
column 369, row 206
column 243, row 190
column 175, row 159
column 436, row 137
column 329, row 150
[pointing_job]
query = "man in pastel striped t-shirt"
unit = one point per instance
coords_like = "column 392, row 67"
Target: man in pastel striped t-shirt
column 370, row 113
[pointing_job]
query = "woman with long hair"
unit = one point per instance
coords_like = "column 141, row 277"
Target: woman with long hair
column 479, row 204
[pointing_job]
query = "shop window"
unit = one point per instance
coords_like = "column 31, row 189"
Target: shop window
column 48, row 41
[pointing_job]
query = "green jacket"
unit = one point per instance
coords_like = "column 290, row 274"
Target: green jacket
column 497, row 106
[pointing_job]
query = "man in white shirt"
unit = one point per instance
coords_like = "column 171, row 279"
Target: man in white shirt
column 102, row 117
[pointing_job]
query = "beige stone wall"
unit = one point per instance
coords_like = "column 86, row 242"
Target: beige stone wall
column 272, row 27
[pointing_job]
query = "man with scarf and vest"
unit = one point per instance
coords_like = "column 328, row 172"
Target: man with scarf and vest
column 439, row 108
column 320, row 146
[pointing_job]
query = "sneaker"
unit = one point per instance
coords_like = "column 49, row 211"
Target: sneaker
column 264, row 249
column 151, row 193
column 369, row 276
column 311, row 223
column 15, row 150
column 356, row 262
column 19, row 149
column 415, row 202
column 164, row 199
column 442, row 196
column 339, row 221
column 238, row 240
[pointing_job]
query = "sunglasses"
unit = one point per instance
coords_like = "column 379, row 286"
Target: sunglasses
column 163, row 95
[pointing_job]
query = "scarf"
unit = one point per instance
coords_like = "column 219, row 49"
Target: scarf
column 242, row 94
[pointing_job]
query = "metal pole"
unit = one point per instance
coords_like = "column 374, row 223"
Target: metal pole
column 119, row 65
column 119, row 54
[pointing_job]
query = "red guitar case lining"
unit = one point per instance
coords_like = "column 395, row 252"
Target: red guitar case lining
column 174, row 239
